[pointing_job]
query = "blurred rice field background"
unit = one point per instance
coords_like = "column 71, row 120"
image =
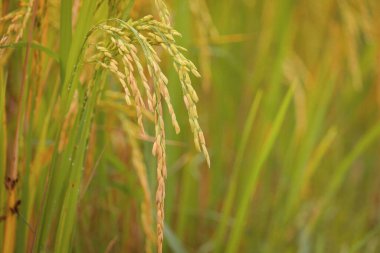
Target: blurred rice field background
column 289, row 104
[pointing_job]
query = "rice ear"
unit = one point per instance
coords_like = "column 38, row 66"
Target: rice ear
column 121, row 58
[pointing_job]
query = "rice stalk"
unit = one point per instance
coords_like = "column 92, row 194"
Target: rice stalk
column 11, row 179
column 3, row 142
column 249, row 189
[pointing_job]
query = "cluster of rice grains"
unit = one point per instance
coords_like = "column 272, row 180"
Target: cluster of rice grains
column 12, row 26
column 120, row 55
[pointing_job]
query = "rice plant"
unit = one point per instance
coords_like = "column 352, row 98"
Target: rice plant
column 111, row 43
column 101, row 100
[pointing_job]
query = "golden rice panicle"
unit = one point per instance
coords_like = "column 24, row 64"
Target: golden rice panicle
column 165, row 93
column 160, row 153
column 184, row 66
column 122, row 53
column 190, row 98
column 125, row 52
column 144, row 80
column 163, row 11
column 160, row 90
column 105, row 63
column 127, row 78
column 160, row 80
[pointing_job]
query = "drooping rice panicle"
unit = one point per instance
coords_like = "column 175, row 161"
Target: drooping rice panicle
column 121, row 58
